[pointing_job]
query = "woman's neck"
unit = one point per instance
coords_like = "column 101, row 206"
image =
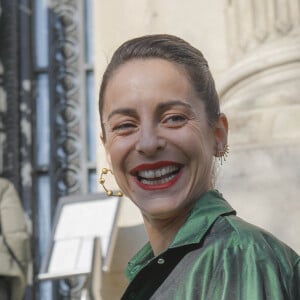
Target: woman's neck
column 161, row 232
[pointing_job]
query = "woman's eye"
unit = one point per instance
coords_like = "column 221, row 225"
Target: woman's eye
column 124, row 128
column 175, row 120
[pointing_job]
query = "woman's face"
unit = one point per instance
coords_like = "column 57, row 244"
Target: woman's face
column 158, row 140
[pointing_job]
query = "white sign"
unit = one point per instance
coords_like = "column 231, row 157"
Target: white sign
column 78, row 222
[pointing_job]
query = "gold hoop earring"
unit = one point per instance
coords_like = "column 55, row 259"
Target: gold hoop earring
column 104, row 172
column 223, row 154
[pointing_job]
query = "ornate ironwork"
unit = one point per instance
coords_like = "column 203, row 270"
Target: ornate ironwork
column 69, row 174
column 67, row 66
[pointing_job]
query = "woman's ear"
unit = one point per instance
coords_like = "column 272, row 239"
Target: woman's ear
column 221, row 131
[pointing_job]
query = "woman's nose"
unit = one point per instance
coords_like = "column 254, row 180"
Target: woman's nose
column 149, row 141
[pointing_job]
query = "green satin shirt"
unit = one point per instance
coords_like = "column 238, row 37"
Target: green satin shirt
column 216, row 256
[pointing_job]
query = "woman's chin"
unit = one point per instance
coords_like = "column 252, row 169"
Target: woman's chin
column 160, row 209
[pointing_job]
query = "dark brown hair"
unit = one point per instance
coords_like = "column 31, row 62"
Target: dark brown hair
column 175, row 50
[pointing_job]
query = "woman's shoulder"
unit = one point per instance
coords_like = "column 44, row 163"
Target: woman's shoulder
column 251, row 262
column 262, row 245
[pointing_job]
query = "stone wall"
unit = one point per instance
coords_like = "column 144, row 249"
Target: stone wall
column 260, row 94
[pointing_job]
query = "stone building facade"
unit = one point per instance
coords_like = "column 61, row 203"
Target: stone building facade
column 253, row 48
column 260, row 94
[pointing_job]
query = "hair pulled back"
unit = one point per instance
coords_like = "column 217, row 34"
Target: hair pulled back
column 172, row 49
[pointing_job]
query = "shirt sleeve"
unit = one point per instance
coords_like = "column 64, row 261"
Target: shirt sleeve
column 254, row 273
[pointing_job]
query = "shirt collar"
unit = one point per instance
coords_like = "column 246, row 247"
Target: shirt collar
column 209, row 207
column 206, row 210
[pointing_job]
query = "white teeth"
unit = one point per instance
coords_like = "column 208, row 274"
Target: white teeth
column 158, row 173
column 163, row 172
column 160, row 181
column 149, row 174
column 152, row 174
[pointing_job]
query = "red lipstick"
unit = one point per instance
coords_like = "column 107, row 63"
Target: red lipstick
column 161, row 181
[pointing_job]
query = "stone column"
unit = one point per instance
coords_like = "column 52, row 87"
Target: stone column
column 260, row 94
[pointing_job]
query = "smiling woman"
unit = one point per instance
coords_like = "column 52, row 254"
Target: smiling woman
column 162, row 128
column 156, row 123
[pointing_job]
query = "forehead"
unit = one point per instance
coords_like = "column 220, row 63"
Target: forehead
column 151, row 77
column 150, row 68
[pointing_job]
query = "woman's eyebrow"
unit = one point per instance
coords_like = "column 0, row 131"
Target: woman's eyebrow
column 122, row 111
column 160, row 107
column 169, row 104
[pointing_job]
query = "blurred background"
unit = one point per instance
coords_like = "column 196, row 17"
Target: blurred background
column 52, row 56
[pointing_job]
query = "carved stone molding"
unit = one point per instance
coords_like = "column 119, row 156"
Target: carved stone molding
column 252, row 23
column 66, row 93
column 260, row 95
column 264, row 60
column 260, row 91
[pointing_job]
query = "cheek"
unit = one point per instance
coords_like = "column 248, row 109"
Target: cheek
column 118, row 149
column 197, row 141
